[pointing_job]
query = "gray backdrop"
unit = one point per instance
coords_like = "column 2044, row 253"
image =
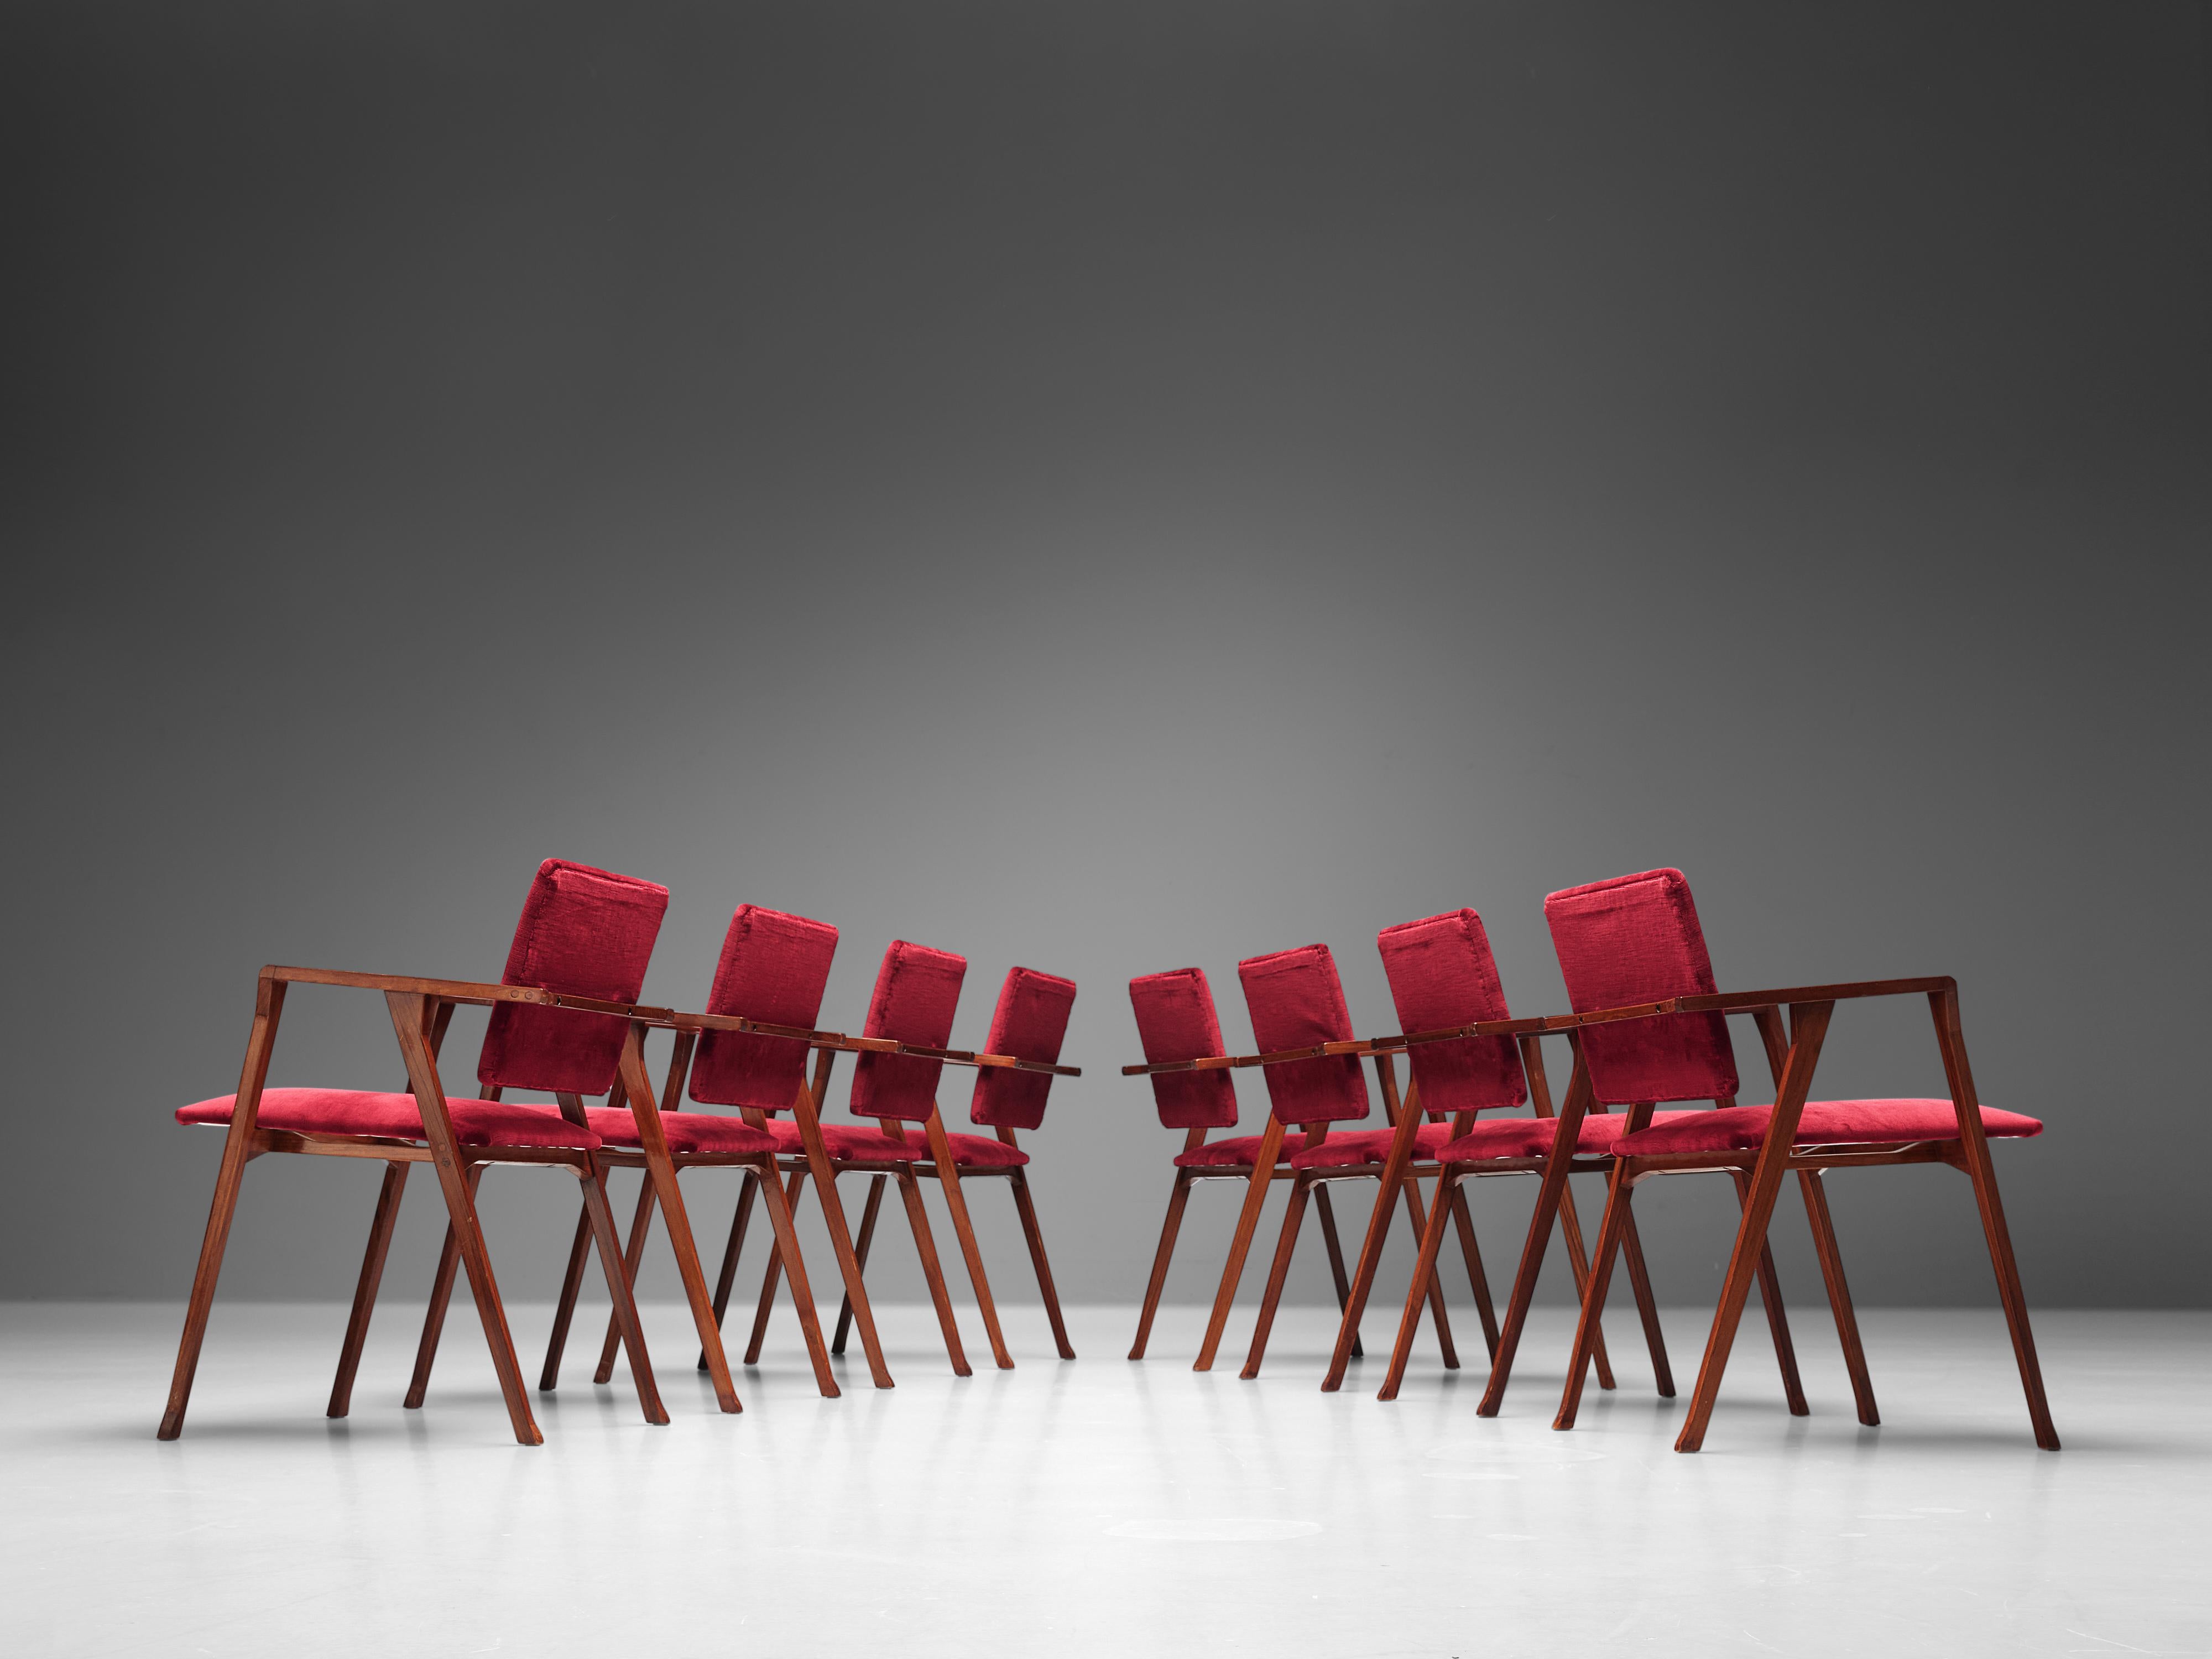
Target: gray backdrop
column 1107, row 489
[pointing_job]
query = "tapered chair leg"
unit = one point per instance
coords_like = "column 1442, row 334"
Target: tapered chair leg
column 726, row 1280
column 1647, row 1306
column 1335, row 1249
column 1477, row 1280
column 1285, row 1248
column 771, row 1275
column 1018, row 1179
column 1549, row 1196
column 1425, row 1268
column 964, row 1230
column 1610, row 1232
column 869, row 1209
column 1778, row 1317
column 564, row 1311
column 441, row 1293
column 932, row 1271
column 1447, row 1350
column 1240, row 1242
column 802, row 1293
column 1839, row 1293
column 619, row 1275
column 1178, row 1195
column 640, row 1228
column 364, row 1295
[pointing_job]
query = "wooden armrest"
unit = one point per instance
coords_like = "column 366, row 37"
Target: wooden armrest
column 841, row 1044
column 476, row 993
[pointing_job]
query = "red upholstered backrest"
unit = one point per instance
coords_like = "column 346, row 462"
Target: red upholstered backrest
column 1442, row 974
column 917, row 989
column 586, row 932
column 1030, row 1022
column 773, row 968
column 1296, row 1001
column 1635, row 938
column 1175, row 1021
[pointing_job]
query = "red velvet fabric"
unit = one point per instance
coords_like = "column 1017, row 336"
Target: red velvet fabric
column 1531, row 1137
column 1296, row 1001
column 1030, row 1023
column 589, row 933
column 773, row 968
column 917, row 989
column 1635, row 938
column 854, row 1140
column 367, row 1112
column 687, row 1132
column 1824, row 1123
column 985, row 1153
column 1228, row 1153
column 1369, row 1146
column 1442, row 974
column 1175, row 1021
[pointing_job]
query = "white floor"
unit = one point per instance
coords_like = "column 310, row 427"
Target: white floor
column 1101, row 1507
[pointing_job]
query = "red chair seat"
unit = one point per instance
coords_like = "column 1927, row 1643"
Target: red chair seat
column 689, row 1132
column 1531, row 1137
column 394, row 1117
column 1369, row 1146
column 1825, row 1123
column 1235, row 1152
column 849, row 1140
column 985, row 1153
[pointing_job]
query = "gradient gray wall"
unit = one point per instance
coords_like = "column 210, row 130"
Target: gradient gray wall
column 1107, row 489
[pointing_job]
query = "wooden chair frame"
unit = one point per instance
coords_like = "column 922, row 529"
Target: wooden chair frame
column 420, row 1011
column 1792, row 1054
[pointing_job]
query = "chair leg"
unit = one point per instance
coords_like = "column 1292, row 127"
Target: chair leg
column 1354, row 1306
column 1178, row 1195
column 564, row 1311
column 1647, row 1308
column 869, row 1211
column 1839, row 1293
column 726, row 1280
column 1240, row 1242
column 1285, row 1247
column 802, row 1293
column 364, row 1294
column 1019, row 1180
column 925, row 1246
column 1478, row 1281
column 771, row 1275
column 964, row 1230
column 1425, row 1268
column 1777, row 1317
column 640, row 1228
column 619, row 1275
column 1549, row 1196
column 1447, row 1350
column 441, row 1294
column 1571, row 1227
column 1335, row 1249
column 1609, row 1233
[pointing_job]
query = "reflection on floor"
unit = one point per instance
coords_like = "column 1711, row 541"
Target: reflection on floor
column 1100, row 1507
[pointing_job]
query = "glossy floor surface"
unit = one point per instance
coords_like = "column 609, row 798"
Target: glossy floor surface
column 1101, row 1507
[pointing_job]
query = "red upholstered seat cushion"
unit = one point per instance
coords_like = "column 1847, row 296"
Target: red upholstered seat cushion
column 394, row 1117
column 1369, row 1146
column 853, row 1140
column 1531, row 1137
column 688, row 1132
column 985, row 1153
column 1176, row 1020
column 1228, row 1153
column 1825, row 1123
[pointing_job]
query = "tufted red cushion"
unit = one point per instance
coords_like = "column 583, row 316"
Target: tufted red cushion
column 586, row 932
column 1029, row 1023
column 917, row 989
column 1175, row 1021
column 1232, row 1151
column 394, row 1117
column 687, row 1132
column 846, row 1140
column 773, row 968
column 1369, row 1146
column 985, row 1153
column 1635, row 938
column 1442, row 974
column 1825, row 1123
column 1296, row 1001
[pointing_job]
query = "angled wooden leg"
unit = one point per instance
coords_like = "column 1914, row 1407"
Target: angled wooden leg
column 1335, row 1249
column 1447, row 1350
column 824, row 1171
column 1178, row 1195
column 925, row 1246
column 1478, row 1281
column 237, row 1149
column 963, row 1229
column 1550, row 1193
column 1839, row 1293
column 794, row 1267
column 1620, row 1188
column 364, row 1293
column 564, row 1311
column 1777, row 1317
column 1425, row 1268
column 728, row 1277
column 1363, row 1278
column 441, row 1295
column 1018, row 1179
column 620, row 1276
column 640, row 1228
column 1247, row 1223
column 771, row 1276
column 869, row 1208
column 1647, row 1308
column 1285, row 1247
column 408, row 1023
column 1974, row 1151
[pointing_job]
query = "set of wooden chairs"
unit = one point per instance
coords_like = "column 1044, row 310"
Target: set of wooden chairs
column 1649, row 1028
column 565, row 1021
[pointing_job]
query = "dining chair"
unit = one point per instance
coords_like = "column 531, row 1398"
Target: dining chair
column 1632, row 947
